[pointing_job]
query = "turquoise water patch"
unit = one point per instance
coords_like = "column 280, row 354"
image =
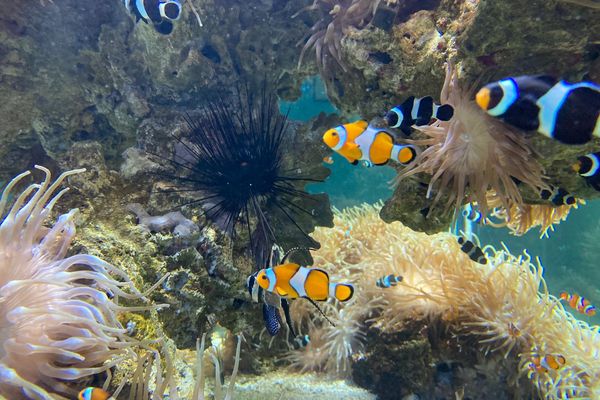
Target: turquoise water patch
column 311, row 103
column 348, row 185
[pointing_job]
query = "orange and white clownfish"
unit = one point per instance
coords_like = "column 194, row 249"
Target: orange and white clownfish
column 94, row 393
column 579, row 303
column 292, row 281
column 563, row 111
column 360, row 141
column 546, row 363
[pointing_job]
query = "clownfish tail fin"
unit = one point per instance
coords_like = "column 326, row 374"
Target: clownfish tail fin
column 404, row 154
column 341, row 291
column 444, row 112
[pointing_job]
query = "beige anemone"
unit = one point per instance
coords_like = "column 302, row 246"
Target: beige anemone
column 504, row 305
column 473, row 153
column 58, row 314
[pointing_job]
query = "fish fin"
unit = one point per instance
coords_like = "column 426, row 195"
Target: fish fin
column 293, row 250
column 280, row 291
column 164, row 27
column 288, row 319
column 320, row 311
column 343, row 291
column 547, row 79
column 272, row 319
column 445, row 112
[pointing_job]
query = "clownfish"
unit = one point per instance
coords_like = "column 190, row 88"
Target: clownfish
column 579, row 303
column 359, row 141
column 473, row 215
column 472, row 250
column 271, row 303
column 546, row 363
column 388, row 281
column 94, row 393
column 292, row 281
column 567, row 112
column 417, row 112
column 161, row 13
column 588, row 167
column 558, row 196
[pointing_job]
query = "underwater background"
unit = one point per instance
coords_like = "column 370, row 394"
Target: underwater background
column 216, row 241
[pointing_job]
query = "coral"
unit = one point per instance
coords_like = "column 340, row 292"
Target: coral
column 519, row 219
column 174, row 221
column 58, row 314
column 504, row 306
column 472, row 154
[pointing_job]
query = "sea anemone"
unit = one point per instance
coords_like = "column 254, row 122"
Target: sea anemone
column 473, row 153
column 58, row 318
column 519, row 219
column 236, row 160
column 326, row 35
column 504, row 305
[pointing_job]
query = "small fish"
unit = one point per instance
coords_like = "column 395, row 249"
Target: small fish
column 161, row 13
column 566, row 112
column 328, row 160
column 558, row 196
column 388, row 281
column 473, row 215
column 417, row 111
column 579, row 303
column 94, row 393
column 301, row 341
column 359, row 141
column 588, row 167
column 472, row 250
column 546, row 363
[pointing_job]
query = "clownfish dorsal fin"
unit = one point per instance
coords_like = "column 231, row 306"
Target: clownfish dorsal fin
column 547, row 79
column 320, row 311
column 293, row 250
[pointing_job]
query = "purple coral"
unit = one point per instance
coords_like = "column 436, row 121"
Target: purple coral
column 57, row 315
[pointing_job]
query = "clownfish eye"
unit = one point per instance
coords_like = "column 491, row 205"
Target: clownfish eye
column 264, row 277
column 333, row 133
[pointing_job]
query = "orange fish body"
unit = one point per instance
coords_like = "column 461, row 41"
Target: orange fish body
column 579, row 303
column 546, row 363
column 293, row 281
column 358, row 141
column 94, row 393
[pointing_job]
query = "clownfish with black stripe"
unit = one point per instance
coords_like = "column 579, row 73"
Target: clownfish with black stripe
column 388, row 281
column 558, row 196
column 360, row 141
column 469, row 212
column 271, row 303
column 579, row 303
column 546, row 363
column 417, row 111
column 161, row 13
column 472, row 250
column 567, row 112
column 588, row 167
column 94, row 393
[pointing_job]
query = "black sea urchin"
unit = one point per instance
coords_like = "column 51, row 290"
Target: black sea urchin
column 232, row 159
